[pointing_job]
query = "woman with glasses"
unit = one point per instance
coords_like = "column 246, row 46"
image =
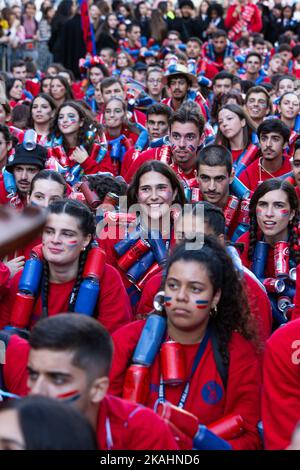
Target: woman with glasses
column 154, row 85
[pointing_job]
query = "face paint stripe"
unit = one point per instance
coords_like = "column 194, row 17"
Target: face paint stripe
column 201, row 302
column 67, row 395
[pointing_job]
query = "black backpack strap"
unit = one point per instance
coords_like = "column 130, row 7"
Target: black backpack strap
column 221, row 367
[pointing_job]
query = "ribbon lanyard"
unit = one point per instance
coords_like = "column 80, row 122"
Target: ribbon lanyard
column 184, row 395
column 71, row 304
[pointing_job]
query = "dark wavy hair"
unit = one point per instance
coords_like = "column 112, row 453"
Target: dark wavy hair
column 86, row 224
column 49, row 175
column 233, row 312
column 46, row 97
column 84, row 115
column 265, row 187
column 69, row 93
column 247, row 130
column 104, row 184
column 158, row 167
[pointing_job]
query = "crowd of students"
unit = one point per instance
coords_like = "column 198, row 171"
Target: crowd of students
column 164, row 288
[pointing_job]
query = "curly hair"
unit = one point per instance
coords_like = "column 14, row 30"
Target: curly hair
column 233, row 309
column 84, row 116
column 267, row 186
column 104, row 184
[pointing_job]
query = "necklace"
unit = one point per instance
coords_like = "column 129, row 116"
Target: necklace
column 261, row 168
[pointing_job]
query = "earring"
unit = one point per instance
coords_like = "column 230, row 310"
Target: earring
column 214, row 312
column 159, row 301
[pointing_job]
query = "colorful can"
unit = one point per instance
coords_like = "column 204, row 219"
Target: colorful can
column 137, row 384
column 229, row 427
column 293, row 274
column 154, row 269
column 90, row 196
column 77, row 196
column 150, row 340
column 22, row 310
column 184, row 420
column 281, row 259
column 172, row 363
column 112, row 218
column 274, row 285
column 133, row 254
column 283, row 303
column 165, row 154
column 244, row 212
column 196, row 195
column 230, row 209
column 95, row 263
column 31, row 276
column 259, row 259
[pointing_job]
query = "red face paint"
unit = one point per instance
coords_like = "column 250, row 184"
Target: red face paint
column 73, row 395
column 168, row 302
column 201, row 304
column 284, row 212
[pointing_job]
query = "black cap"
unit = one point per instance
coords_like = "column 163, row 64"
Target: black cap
column 140, row 66
column 36, row 157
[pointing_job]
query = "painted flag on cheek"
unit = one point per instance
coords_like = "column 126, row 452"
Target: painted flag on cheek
column 87, row 29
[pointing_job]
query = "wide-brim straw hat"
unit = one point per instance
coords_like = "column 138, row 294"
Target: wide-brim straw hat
column 179, row 69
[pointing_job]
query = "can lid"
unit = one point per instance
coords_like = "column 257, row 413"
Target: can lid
column 293, row 274
column 280, row 285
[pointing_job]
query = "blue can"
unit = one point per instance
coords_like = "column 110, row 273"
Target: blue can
column 136, row 272
column 289, row 291
column 207, row 440
column 239, row 231
column 239, row 190
column 123, row 245
column 158, row 247
column 9, row 182
column 31, row 276
column 260, row 259
column 30, row 140
column 150, row 340
column 278, row 317
column 87, row 297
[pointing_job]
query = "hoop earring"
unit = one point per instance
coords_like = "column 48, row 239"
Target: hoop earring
column 159, row 301
column 214, row 312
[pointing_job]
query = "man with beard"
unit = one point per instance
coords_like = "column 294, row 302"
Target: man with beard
column 23, row 165
column 273, row 136
column 217, row 48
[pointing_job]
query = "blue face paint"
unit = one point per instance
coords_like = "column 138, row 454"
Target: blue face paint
column 168, row 301
column 201, row 304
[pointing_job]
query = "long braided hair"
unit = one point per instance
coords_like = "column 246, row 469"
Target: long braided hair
column 86, row 224
column 267, row 186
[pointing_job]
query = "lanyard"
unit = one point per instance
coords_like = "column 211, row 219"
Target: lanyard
column 71, row 304
column 184, row 395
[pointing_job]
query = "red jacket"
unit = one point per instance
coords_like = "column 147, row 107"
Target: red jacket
column 113, row 310
column 253, row 174
column 281, row 385
column 121, row 425
column 207, row 398
column 258, row 300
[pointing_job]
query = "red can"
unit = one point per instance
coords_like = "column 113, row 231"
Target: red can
column 196, row 195
column 165, row 154
column 112, row 218
column 91, row 197
column 227, row 428
column 274, row 285
column 37, row 252
column 22, row 310
column 172, row 363
column 137, row 384
column 230, row 209
column 281, row 259
column 111, row 199
column 95, row 263
column 77, row 196
column 133, row 254
column 244, row 212
column 154, row 269
column 182, row 419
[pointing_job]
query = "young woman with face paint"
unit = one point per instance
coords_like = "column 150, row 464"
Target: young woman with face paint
column 66, row 241
column 203, row 300
column 60, row 90
column 235, row 130
column 42, row 112
column 154, row 189
column 274, row 217
column 289, row 108
column 116, row 125
column 71, row 143
column 14, row 91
